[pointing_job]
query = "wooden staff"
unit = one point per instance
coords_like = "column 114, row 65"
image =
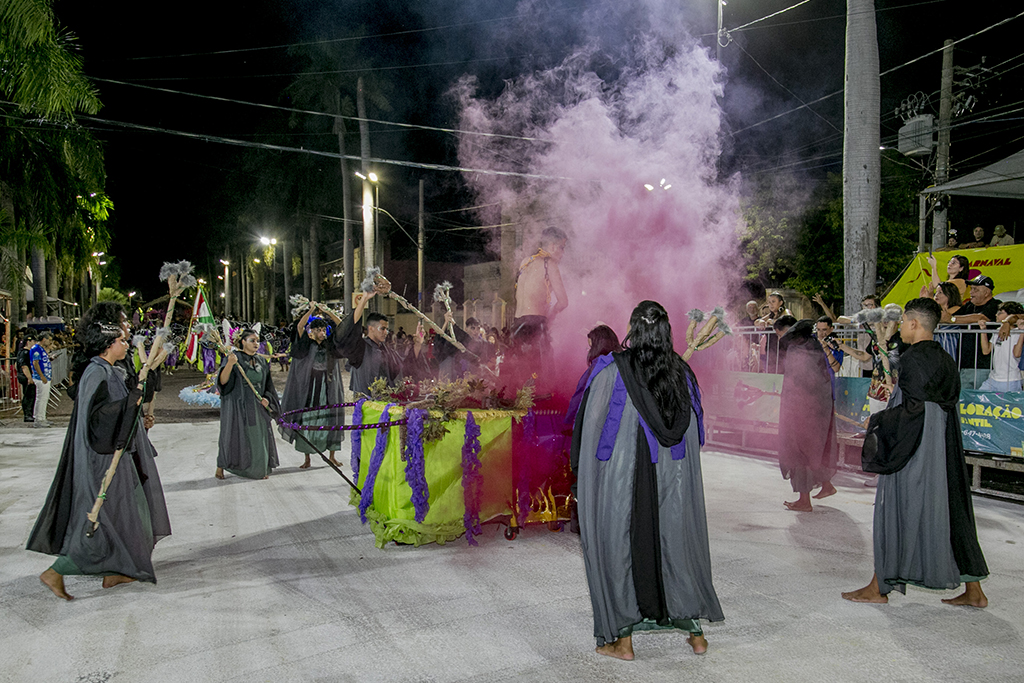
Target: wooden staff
column 382, row 286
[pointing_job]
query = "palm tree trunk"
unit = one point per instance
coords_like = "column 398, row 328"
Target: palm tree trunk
column 38, row 265
column 306, row 279
column 314, row 258
column 861, row 155
column 346, row 199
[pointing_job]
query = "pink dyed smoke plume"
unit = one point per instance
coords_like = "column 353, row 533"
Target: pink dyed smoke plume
column 599, row 142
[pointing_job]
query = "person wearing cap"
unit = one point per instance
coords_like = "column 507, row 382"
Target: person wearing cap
column 982, row 306
column 1000, row 238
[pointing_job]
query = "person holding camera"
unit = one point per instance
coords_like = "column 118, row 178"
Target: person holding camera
column 824, row 330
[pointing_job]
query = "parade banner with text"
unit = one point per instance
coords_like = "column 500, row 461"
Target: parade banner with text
column 993, row 423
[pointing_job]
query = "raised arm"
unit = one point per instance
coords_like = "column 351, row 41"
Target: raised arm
column 300, row 329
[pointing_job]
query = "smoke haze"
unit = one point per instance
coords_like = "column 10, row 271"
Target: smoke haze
column 611, row 123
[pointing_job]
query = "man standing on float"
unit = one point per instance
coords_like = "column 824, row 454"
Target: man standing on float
column 537, row 281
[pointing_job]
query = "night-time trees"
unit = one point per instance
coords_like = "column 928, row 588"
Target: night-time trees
column 46, row 161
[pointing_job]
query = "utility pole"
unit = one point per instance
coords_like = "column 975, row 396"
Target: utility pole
column 369, row 253
column 939, row 220
column 419, row 253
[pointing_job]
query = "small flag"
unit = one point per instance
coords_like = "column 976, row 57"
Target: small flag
column 200, row 314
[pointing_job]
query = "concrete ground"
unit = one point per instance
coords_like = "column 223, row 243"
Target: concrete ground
column 277, row 580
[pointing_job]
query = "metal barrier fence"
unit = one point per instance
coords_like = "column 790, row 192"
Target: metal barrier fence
column 752, row 350
column 11, row 390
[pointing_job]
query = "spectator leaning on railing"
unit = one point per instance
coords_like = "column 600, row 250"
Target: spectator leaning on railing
column 1005, row 355
column 981, row 307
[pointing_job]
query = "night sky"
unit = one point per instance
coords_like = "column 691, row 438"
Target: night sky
column 177, row 197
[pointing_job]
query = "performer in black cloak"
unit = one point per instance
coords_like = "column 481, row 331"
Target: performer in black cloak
column 807, row 432
column 246, row 447
column 315, row 380
column 105, row 418
column 370, row 357
column 924, row 530
column 453, row 363
column 636, row 456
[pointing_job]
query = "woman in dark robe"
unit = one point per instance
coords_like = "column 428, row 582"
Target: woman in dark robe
column 807, row 433
column 247, row 446
column 106, row 418
column 636, row 454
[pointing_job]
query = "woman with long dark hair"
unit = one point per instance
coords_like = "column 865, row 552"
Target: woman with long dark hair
column 246, row 446
column 106, row 418
column 636, row 453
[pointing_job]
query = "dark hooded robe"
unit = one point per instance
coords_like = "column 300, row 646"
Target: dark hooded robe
column 640, row 494
column 370, row 361
column 807, row 433
column 924, row 529
column 134, row 516
column 247, row 447
column 314, row 379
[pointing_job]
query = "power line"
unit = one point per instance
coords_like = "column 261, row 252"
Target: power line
column 884, row 73
column 311, row 112
column 348, row 39
column 330, row 155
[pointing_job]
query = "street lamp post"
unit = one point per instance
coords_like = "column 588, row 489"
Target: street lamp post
column 369, row 218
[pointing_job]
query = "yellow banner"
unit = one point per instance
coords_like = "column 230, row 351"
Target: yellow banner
column 1005, row 265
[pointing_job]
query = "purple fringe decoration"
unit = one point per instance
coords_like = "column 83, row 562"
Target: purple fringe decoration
column 472, row 481
column 209, row 360
column 376, row 458
column 522, row 482
column 415, row 472
column 357, row 438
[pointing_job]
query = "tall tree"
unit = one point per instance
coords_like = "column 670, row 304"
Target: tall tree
column 861, row 155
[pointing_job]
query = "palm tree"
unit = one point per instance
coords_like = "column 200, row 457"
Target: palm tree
column 861, row 156
column 46, row 161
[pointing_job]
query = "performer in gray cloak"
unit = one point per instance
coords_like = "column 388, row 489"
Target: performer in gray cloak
column 370, row 357
column 924, row 530
column 636, row 453
column 314, row 379
column 246, row 447
column 105, row 418
column 807, row 433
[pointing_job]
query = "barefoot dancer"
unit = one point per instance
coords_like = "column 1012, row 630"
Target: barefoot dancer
column 134, row 517
column 315, row 380
column 246, row 446
column 924, row 519
column 807, row 432
column 636, row 453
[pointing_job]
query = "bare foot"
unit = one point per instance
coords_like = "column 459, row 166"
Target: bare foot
column 797, row 506
column 115, row 579
column 619, row 649
column 55, row 582
column 868, row 593
column 699, row 644
column 305, row 465
column 219, row 473
column 335, row 462
column 972, row 596
column 827, row 489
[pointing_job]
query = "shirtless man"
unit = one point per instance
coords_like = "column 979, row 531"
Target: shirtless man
column 537, row 281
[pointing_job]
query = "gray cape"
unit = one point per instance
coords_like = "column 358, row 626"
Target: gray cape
column 246, row 429
column 299, row 390
column 124, row 542
column 606, row 504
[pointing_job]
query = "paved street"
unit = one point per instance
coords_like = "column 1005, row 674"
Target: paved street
column 277, row 580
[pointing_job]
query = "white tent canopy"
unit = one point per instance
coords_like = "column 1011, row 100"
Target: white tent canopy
column 1004, row 179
